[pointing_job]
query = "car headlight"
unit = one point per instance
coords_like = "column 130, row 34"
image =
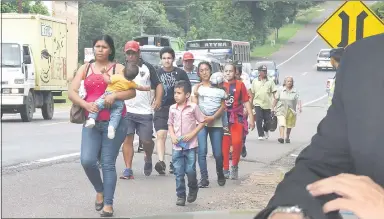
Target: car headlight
column 12, row 90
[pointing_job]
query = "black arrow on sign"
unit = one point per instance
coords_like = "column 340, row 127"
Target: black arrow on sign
column 344, row 29
column 360, row 25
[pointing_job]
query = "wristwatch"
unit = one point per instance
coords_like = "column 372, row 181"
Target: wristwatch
column 289, row 209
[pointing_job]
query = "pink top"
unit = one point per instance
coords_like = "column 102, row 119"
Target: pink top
column 95, row 87
column 184, row 121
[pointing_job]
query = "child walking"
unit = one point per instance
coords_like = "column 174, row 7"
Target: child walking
column 182, row 125
column 116, row 83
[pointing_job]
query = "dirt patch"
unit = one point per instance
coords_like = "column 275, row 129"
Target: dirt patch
column 253, row 193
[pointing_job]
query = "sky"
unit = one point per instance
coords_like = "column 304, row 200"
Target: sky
column 49, row 6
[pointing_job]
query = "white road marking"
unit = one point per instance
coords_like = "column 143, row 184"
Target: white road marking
column 50, row 159
column 57, row 157
column 315, row 100
column 298, row 52
column 305, row 73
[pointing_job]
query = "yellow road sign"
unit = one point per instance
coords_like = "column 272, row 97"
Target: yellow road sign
column 351, row 22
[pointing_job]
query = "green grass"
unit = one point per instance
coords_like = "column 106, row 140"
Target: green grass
column 63, row 105
column 286, row 33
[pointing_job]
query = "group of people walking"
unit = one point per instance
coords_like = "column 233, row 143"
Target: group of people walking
column 222, row 106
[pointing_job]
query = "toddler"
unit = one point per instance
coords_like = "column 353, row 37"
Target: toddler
column 116, row 82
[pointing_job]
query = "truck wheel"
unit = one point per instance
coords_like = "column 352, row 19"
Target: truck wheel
column 48, row 107
column 28, row 109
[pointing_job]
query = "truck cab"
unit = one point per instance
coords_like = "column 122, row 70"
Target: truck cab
column 18, row 81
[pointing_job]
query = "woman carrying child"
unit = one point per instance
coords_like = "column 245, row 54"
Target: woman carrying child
column 207, row 97
column 95, row 140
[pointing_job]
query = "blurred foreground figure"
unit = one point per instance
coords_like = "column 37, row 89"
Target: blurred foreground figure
column 349, row 140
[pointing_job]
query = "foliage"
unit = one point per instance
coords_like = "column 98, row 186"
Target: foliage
column 378, row 9
column 27, row 7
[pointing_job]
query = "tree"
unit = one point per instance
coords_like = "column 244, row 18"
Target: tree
column 281, row 11
column 378, row 9
column 27, row 7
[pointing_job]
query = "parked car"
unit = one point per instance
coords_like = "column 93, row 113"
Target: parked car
column 151, row 54
column 323, row 60
column 273, row 72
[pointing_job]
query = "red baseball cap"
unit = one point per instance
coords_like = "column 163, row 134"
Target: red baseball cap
column 132, row 45
column 188, row 56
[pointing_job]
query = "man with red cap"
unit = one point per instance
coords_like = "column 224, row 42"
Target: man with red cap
column 140, row 110
column 189, row 68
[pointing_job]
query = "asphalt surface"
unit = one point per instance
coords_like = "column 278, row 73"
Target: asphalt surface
column 42, row 176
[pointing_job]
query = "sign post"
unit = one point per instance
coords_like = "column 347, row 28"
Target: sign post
column 88, row 55
column 352, row 21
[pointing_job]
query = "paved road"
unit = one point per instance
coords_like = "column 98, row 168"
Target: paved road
column 39, row 183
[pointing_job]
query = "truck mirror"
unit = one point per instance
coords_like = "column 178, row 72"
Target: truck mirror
column 27, row 59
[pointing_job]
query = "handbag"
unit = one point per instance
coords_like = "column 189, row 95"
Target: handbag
column 272, row 126
column 77, row 113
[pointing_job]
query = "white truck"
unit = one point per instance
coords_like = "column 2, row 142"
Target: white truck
column 35, row 61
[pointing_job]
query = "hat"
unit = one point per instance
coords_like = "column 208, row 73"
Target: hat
column 238, row 63
column 262, row 68
column 188, row 56
column 217, row 78
column 132, row 45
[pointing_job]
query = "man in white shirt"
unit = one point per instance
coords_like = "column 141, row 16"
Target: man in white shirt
column 140, row 110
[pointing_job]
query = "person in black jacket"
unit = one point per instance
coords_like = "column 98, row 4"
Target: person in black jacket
column 343, row 167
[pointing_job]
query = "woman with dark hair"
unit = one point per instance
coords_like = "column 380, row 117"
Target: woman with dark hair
column 201, row 95
column 95, row 140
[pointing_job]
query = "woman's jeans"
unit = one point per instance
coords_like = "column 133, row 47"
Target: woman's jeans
column 216, row 136
column 95, row 140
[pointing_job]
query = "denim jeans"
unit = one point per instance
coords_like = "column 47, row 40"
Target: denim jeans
column 216, row 137
column 184, row 162
column 93, row 141
column 115, row 111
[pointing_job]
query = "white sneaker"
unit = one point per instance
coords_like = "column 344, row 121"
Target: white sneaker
column 111, row 132
column 266, row 135
column 261, row 138
column 90, row 123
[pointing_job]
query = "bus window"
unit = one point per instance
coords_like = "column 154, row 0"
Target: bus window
column 164, row 42
column 142, row 41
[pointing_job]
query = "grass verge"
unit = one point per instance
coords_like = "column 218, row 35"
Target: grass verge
column 286, row 33
column 67, row 104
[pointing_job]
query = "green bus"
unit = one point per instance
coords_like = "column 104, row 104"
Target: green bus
column 161, row 41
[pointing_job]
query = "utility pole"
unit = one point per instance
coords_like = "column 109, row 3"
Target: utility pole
column 188, row 18
column 20, row 6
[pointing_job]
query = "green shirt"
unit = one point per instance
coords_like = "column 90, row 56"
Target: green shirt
column 262, row 91
column 286, row 99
